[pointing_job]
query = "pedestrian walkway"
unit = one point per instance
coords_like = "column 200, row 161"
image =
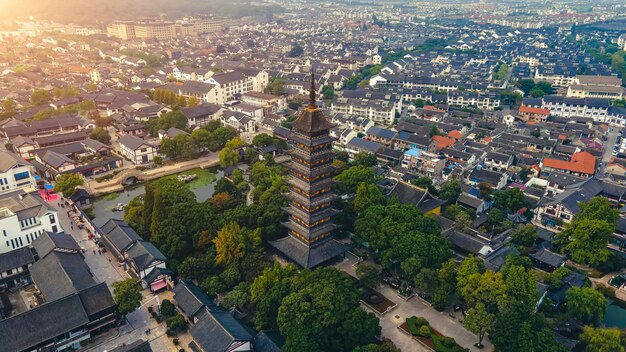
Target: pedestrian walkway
column 441, row 321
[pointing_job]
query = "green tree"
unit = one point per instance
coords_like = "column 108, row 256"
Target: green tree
column 192, row 102
column 234, row 242
column 368, row 275
column 462, row 221
column 537, row 93
column 295, row 51
column 343, row 325
column 468, row 269
column 176, row 323
column 510, row 200
column 479, row 321
column 267, row 292
column 9, row 105
column 524, row 235
column 601, row 340
column 367, row 195
column 276, row 87
column 364, row 159
column 167, row 308
column 585, row 304
column 100, row 134
column 386, row 346
column 40, row 97
column 170, row 119
column 67, row 183
column 262, row 140
column 328, row 92
column 238, row 298
column 228, row 157
column 127, row 295
column 450, row 190
column 235, row 143
column 352, row 177
column 588, row 240
column 598, row 208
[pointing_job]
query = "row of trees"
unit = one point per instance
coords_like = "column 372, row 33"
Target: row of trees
column 175, row 100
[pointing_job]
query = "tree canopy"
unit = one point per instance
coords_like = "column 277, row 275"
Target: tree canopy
column 67, row 183
column 127, row 295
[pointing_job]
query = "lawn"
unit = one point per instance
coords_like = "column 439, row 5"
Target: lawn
column 205, row 177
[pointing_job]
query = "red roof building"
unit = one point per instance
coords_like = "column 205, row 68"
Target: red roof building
column 581, row 164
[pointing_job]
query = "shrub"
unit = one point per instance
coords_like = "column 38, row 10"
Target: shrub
column 448, row 342
column 150, row 310
column 424, row 330
column 607, row 291
column 415, row 324
column 175, row 342
column 421, row 321
column 412, row 326
column 181, row 350
column 167, row 308
column 158, row 318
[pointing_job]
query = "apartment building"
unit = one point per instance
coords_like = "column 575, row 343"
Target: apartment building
column 584, row 86
column 124, row 30
column 23, row 217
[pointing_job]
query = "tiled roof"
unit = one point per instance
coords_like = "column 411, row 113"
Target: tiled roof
column 582, row 162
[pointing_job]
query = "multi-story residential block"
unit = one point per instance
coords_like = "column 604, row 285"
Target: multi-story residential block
column 532, row 114
column 424, row 163
column 498, row 161
column 584, row 86
column 124, row 30
column 137, row 150
column 23, row 217
column 15, row 173
column 270, row 103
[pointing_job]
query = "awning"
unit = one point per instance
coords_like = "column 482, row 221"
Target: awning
column 158, row 285
column 102, row 325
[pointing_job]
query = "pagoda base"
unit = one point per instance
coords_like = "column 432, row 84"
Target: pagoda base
column 309, row 256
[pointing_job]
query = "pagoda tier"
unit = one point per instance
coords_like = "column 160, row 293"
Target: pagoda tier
column 310, row 188
column 307, row 217
column 310, row 156
column 310, row 204
column 310, row 235
column 310, row 142
column 303, row 172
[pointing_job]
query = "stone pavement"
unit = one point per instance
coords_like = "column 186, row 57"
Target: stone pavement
column 440, row 321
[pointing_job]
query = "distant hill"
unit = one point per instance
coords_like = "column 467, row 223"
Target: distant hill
column 94, row 11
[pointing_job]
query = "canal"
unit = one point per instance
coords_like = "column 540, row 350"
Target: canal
column 615, row 316
column 203, row 187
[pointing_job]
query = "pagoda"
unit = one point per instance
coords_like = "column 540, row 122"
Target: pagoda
column 310, row 226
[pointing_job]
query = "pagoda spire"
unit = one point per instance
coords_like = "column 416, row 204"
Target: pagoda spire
column 312, row 91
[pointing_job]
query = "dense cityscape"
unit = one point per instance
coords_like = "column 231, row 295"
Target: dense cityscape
column 313, row 176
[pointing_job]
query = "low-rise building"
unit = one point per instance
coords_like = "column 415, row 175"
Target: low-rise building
column 15, row 173
column 24, row 217
column 137, row 150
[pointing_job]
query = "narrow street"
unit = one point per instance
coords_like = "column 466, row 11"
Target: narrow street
column 608, row 150
column 105, row 268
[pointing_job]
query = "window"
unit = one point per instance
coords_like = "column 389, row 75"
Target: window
column 54, row 228
column 53, row 220
column 143, row 150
